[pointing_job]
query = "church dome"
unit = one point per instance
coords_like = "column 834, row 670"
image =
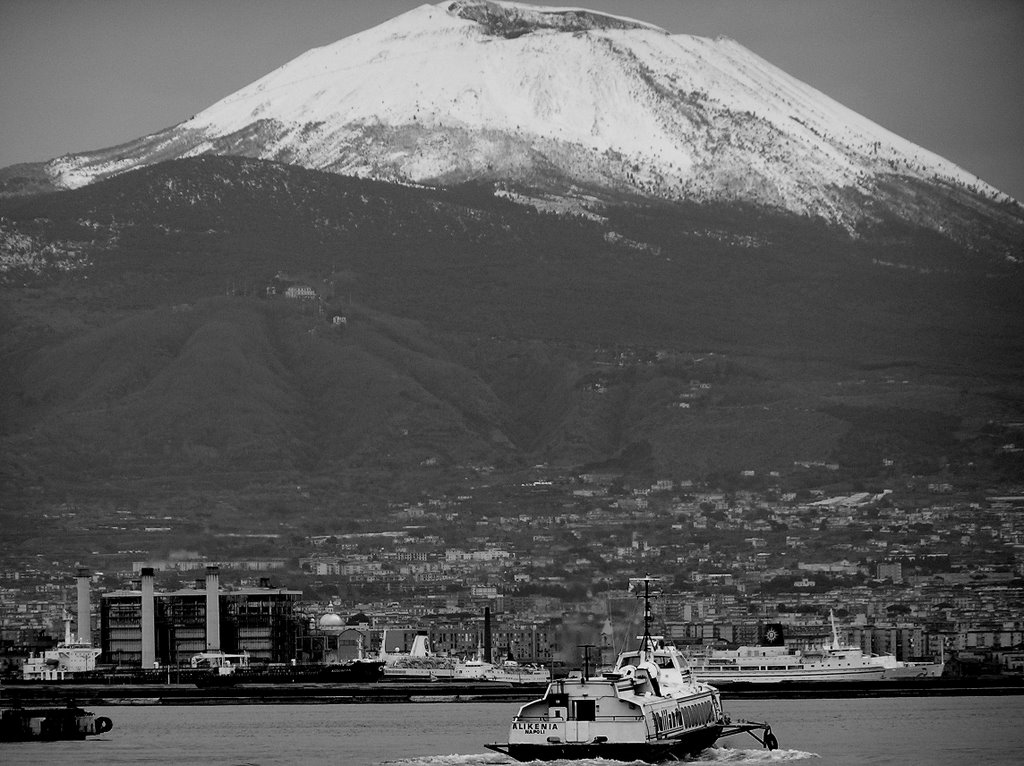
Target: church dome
column 330, row 620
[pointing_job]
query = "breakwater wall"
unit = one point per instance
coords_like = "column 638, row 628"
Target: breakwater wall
column 256, row 694
column 36, row 693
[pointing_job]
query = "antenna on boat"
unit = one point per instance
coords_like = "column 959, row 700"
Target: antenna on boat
column 646, row 642
column 586, row 660
column 835, row 633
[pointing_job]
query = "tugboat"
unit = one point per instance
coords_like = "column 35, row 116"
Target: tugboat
column 649, row 707
column 24, row 724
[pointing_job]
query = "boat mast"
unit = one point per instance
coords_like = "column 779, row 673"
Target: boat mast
column 586, row 660
column 646, row 642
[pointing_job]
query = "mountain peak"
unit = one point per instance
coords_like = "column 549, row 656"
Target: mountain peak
column 509, row 20
column 568, row 106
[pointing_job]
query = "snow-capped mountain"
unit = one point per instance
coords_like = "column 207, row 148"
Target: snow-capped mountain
column 570, row 103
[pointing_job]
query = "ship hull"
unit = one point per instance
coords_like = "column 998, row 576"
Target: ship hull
column 352, row 672
column 805, row 675
column 418, row 674
column 652, row 751
column 910, row 671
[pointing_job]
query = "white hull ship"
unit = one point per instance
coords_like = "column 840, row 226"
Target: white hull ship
column 421, row 664
column 512, row 672
column 913, row 670
column 649, row 707
column 72, row 656
column 776, row 663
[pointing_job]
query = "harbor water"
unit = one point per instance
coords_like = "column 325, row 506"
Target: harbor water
column 932, row 731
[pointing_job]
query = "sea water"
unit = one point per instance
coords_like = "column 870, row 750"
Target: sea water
column 931, row 731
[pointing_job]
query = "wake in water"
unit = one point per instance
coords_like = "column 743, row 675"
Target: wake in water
column 729, row 755
column 712, row 756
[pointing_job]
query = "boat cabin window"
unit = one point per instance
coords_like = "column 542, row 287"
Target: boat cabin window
column 585, row 710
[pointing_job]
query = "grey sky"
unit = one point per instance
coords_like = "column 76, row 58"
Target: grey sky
column 86, row 74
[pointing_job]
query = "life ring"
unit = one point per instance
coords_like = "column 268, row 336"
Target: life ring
column 769, row 739
column 103, row 724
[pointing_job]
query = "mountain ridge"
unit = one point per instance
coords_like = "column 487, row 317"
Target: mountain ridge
column 583, row 114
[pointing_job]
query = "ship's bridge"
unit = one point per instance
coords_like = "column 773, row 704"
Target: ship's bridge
column 653, row 650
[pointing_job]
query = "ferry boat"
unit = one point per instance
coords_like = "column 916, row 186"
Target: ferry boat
column 648, row 707
column 473, row 669
column 418, row 664
column 773, row 662
column 73, row 655
column 512, row 672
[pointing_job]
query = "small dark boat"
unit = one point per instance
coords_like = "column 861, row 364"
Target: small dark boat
column 20, row 724
column 353, row 671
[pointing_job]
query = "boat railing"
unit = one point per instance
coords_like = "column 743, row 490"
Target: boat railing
column 598, row 719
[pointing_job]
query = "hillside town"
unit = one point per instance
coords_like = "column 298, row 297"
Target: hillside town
column 926, row 572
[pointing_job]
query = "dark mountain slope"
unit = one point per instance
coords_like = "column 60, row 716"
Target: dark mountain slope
column 233, row 385
column 680, row 339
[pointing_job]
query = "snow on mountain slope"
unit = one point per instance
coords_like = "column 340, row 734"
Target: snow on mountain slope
column 562, row 100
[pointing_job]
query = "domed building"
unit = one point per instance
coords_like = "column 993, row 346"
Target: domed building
column 334, row 639
column 331, row 622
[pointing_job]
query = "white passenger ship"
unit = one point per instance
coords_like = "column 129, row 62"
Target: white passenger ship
column 512, row 672
column 649, row 707
column 418, row 664
column 777, row 663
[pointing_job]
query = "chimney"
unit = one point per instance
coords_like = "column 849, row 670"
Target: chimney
column 148, row 619
column 212, row 609
column 84, row 618
column 487, row 634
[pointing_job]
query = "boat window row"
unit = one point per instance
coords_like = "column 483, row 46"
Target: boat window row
column 699, row 714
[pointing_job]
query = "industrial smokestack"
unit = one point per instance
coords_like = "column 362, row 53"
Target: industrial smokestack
column 487, row 634
column 148, row 619
column 84, row 618
column 212, row 609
